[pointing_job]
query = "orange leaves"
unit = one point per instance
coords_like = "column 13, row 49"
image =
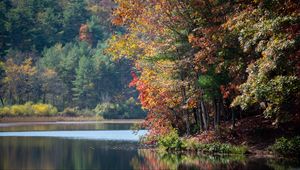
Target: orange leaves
column 229, row 90
column 127, row 11
column 117, row 20
column 84, row 34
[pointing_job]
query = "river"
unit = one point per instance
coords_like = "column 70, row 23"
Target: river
column 96, row 145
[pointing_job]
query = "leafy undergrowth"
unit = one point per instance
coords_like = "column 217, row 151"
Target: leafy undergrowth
column 254, row 134
column 259, row 133
column 287, row 147
column 172, row 142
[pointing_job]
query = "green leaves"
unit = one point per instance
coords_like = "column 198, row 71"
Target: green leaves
column 272, row 82
column 287, row 147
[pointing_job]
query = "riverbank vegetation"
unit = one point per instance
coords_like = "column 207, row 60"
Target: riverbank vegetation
column 223, row 71
column 287, row 147
column 29, row 109
column 163, row 160
column 172, row 142
column 52, row 55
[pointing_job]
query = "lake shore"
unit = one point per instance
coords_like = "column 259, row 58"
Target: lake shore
column 66, row 119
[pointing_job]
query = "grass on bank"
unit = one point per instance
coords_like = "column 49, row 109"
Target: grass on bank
column 172, row 142
column 287, row 146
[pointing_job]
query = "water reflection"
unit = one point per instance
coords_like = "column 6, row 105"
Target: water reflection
column 150, row 159
column 48, row 126
column 49, row 152
column 57, row 153
column 115, row 135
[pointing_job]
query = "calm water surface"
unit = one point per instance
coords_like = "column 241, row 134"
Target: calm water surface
column 95, row 145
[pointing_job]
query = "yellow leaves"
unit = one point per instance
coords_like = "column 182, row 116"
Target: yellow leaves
column 13, row 71
column 29, row 109
column 131, row 46
column 18, row 75
column 124, row 46
column 49, row 73
column 40, row 108
column 27, row 67
column 157, row 7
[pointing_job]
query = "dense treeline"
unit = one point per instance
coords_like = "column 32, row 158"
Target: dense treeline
column 52, row 52
column 202, row 62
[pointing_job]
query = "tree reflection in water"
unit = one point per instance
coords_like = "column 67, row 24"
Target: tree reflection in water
column 57, row 153
column 151, row 159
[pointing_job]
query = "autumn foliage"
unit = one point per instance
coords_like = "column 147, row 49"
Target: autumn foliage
column 202, row 62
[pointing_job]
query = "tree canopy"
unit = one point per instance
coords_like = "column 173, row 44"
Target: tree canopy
column 203, row 60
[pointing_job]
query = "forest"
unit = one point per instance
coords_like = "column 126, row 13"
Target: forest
column 220, row 70
column 202, row 70
column 52, row 61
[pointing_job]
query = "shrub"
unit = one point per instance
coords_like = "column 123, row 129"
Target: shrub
column 69, row 111
column 107, row 110
column 28, row 109
column 288, row 147
column 21, row 110
column 124, row 110
column 171, row 141
column 224, row 148
column 220, row 148
column 86, row 112
column 44, row 109
column 4, row 111
column 74, row 111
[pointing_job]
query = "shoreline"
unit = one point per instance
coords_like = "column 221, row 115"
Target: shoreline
column 257, row 153
column 65, row 119
column 249, row 155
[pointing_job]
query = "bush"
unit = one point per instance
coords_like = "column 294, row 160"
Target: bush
column 125, row 110
column 4, row 111
column 171, row 141
column 28, row 109
column 70, row 111
column 44, row 109
column 86, row 112
column 224, row 148
column 287, row 147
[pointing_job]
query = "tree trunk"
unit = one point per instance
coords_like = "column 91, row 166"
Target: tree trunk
column 222, row 110
column 215, row 104
column 233, row 118
column 200, row 117
column 204, row 116
column 44, row 98
column 185, row 112
column 195, row 115
column 1, row 100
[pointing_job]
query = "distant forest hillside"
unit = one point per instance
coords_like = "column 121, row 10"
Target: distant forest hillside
column 52, row 51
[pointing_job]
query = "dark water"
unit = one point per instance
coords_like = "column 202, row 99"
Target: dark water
column 94, row 146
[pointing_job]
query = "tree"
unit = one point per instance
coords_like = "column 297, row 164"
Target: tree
column 74, row 14
column 272, row 38
column 19, row 81
column 84, row 94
